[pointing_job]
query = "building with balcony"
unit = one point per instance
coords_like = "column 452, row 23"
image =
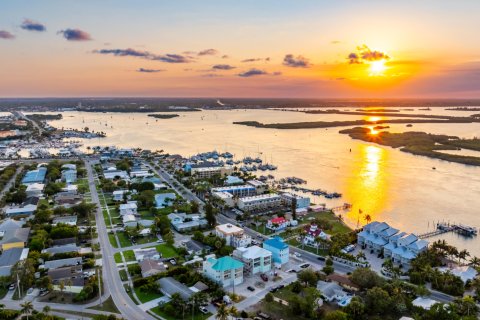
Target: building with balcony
column 226, row 271
column 234, row 236
column 255, row 259
column 260, row 202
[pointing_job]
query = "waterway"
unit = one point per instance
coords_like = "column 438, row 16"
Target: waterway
column 385, row 183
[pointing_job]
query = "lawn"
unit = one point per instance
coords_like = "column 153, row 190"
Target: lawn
column 166, row 250
column 106, row 217
column 337, row 225
column 129, row 255
column 118, row 257
column 124, row 240
column 129, row 292
column 146, row 214
column 147, row 239
column 197, row 316
column 146, row 296
column 112, row 239
column 107, row 305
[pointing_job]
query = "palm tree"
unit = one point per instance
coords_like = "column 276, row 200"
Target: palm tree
column 462, row 255
column 27, row 308
column 222, row 312
column 233, row 311
column 475, row 262
column 361, row 255
column 368, row 218
column 47, row 310
column 61, row 286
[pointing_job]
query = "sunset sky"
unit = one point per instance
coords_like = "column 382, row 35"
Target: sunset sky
column 248, row 48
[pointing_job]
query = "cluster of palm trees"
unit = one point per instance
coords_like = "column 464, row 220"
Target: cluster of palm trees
column 224, row 312
column 443, row 249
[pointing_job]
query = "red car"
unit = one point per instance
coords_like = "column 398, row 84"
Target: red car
column 264, row 277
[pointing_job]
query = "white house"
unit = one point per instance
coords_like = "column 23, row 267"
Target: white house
column 35, row 189
column 255, row 259
column 277, row 224
column 118, row 195
column 128, row 208
column 129, row 220
column 234, row 236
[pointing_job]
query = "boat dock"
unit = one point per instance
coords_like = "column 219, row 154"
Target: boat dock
column 345, row 206
column 446, row 227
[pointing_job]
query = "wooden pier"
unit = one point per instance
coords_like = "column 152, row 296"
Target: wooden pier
column 446, row 227
column 343, row 207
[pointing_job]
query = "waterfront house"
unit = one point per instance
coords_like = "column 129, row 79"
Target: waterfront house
column 226, row 271
column 255, row 259
column 277, row 224
column 232, row 180
column 163, row 200
column 34, row 176
column 302, row 202
column 14, row 238
column 400, row 247
column 260, row 187
column 128, row 208
column 279, row 249
column 260, row 202
column 183, row 222
column 312, row 232
column 209, row 172
column 234, row 236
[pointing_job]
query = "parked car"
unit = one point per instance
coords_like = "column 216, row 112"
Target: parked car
column 251, row 288
column 12, row 286
column 321, row 258
column 296, row 254
column 304, row 265
column 173, row 262
column 203, row 310
column 264, row 277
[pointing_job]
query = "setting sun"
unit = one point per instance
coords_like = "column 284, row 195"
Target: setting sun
column 377, row 67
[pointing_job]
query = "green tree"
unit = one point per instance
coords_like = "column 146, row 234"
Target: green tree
column 27, row 308
column 336, row 315
column 308, row 277
column 269, row 297
column 210, row 214
column 366, row 278
column 378, row 301
column 356, row 308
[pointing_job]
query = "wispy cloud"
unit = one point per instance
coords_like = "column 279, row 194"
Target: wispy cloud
column 211, row 75
column 6, row 35
column 256, row 59
column 31, row 25
column 129, row 52
column 225, row 56
column 256, row 72
column 296, row 62
column 75, row 35
column 223, row 67
column 149, row 70
column 208, row 52
column 364, row 54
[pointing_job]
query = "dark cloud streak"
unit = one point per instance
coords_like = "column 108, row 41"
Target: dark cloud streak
column 296, row 62
column 31, row 25
column 75, row 35
column 129, row 52
column 6, row 35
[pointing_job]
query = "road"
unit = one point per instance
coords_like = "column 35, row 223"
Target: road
column 11, row 181
column 111, row 278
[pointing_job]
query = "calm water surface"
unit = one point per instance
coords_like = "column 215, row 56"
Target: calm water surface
column 389, row 185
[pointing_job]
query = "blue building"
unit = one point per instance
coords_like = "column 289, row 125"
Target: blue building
column 34, row 176
column 279, row 249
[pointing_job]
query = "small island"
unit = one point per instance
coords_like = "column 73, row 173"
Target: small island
column 420, row 143
column 163, row 116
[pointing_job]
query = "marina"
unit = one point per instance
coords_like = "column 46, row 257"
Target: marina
column 442, row 228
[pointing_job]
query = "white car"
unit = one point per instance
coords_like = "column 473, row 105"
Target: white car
column 296, row 254
column 203, row 310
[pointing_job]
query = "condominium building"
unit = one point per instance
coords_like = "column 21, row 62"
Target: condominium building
column 279, row 249
column 234, row 236
column 208, row 172
column 260, row 202
column 401, row 247
column 301, row 202
column 226, row 271
column 255, row 259
column 238, row 191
